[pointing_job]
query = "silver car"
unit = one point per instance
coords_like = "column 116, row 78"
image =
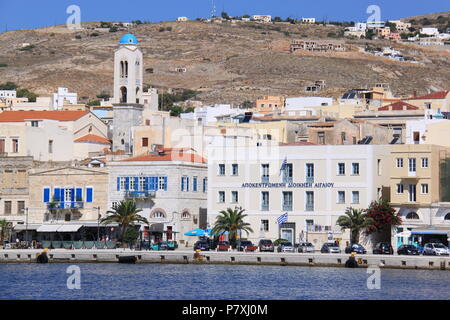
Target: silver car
column 306, row 247
column 285, row 247
column 435, row 249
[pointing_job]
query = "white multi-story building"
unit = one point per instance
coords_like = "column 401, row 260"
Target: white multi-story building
column 62, row 95
column 429, row 31
column 309, row 20
column 7, row 94
column 208, row 114
column 314, row 186
column 169, row 185
column 305, row 102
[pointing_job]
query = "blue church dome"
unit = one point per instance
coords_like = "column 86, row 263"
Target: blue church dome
column 128, row 39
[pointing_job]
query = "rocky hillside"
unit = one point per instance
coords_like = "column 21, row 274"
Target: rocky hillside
column 225, row 62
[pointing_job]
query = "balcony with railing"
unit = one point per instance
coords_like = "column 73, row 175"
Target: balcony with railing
column 65, row 205
column 265, row 207
column 287, row 206
column 309, row 179
column 309, row 207
column 265, row 179
column 147, row 194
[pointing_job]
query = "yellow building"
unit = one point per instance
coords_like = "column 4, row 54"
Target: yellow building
column 433, row 101
column 419, row 183
column 269, row 104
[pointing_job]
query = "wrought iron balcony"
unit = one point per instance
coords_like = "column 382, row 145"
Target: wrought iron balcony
column 287, row 207
column 265, row 179
column 65, row 205
column 265, row 207
column 309, row 207
column 140, row 194
column 309, row 179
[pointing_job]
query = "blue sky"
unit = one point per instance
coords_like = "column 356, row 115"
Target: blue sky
column 21, row 14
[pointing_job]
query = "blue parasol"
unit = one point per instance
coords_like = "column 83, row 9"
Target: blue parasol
column 196, row 232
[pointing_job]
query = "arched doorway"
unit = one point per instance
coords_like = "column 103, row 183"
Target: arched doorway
column 447, row 216
column 123, row 94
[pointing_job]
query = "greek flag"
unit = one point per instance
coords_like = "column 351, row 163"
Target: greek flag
column 283, row 165
column 283, row 218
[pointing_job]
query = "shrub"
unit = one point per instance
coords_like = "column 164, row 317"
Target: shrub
column 8, row 86
column 26, row 93
column 94, row 103
column 103, row 95
column 278, row 241
column 3, row 65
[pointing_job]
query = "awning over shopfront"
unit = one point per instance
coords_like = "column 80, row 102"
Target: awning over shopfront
column 23, row 227
column 69, row 228
column 48, row 228
column 430, row 231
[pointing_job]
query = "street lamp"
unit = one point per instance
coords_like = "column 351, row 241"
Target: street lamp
column 98, row 223
column 26, row 223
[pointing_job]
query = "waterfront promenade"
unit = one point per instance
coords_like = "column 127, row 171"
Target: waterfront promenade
column 238, row 258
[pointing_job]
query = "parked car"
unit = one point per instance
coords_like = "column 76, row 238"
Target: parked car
column 247, row 245
column 408, row 249
column 435, row 249
column 356, row 247
column 285, row 246
column 306, row 247
column 223, row 246
column 330, row 247
column 202, row 245
column 266, row 245
column 383, row 248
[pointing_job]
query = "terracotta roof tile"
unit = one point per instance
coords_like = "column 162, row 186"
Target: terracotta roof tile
column 170, row 156
column 93, row 138
column 434, row 95
column 21, row 116
column 398, row 106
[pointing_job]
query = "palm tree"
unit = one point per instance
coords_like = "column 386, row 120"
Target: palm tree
column 125, row 214
column 4, row 226
column 355, row 220
column 231, row 220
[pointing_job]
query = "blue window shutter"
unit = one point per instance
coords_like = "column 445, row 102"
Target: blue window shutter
column 79, row 194
column 118, row 183
column 56, row 194
column 155, row 179
column 152, row 183
column 89, row 194
column 72, row 194
column 194, row 184
column 47, row 195
column 136, row 183
column 187, row 183
column 165, row 183
column 127, row 183
column 182, row 183
column 147, row 184
column 62, row 194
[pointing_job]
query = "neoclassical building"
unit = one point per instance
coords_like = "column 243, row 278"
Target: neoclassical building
column 169, row 185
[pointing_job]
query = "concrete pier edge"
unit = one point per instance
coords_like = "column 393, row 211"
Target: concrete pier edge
column 229, row 258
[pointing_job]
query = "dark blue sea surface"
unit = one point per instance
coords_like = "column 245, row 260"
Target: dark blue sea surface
column 166, row 281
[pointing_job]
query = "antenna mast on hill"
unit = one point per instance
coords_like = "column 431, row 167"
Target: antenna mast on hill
column 213, row 9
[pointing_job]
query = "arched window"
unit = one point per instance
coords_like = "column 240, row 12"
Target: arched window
column 412, row 215
column 158, row 214
column 137, row 94
column 447, row 216
column 185, row 215
column 123, row 94
column 121, row 69
column 126, row 69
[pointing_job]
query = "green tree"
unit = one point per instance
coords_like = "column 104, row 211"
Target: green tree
column 382, row 217
column 22, row 92
column 4, row 229
column 225, row 15
column 355, row 220
column 130, row 235
column 277, row 19
column 8, row 86
column 125, row 214
column 232, row 221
